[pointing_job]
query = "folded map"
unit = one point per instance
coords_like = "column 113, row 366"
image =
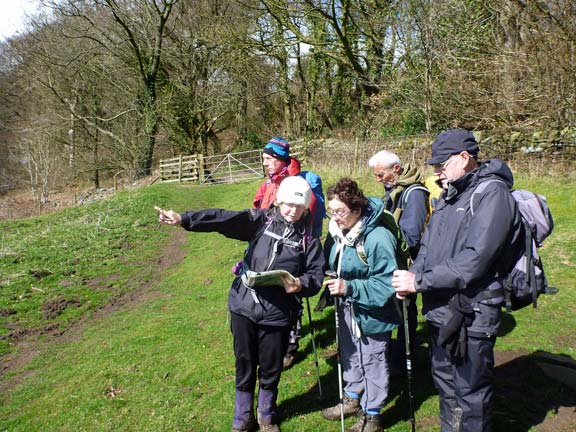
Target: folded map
column 267, row 278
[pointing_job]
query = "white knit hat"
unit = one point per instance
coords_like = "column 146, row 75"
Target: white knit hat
column 294, row 190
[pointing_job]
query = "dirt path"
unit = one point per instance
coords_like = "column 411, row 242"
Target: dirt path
column 27, row 345
column 511, row 371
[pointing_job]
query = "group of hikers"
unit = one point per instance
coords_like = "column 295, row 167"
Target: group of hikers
column 455, row 254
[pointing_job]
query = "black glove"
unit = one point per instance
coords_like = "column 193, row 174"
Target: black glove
column 324, row 300
column 453, row 334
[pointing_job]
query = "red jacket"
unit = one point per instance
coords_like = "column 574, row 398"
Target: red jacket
column 266, row 194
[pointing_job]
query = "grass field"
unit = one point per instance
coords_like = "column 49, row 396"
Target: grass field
column 112, row 322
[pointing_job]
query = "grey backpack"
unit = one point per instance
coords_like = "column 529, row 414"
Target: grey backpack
column 526, row 280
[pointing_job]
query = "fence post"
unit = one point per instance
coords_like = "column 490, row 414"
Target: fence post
column 261, row 154
column 200, row 168
column 180, row 170
column 229, row 167
column 355, row 167
column 115, row 181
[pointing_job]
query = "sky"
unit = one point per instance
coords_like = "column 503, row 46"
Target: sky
column 12, row 15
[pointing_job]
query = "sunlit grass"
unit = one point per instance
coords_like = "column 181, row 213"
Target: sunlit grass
column 166, row 363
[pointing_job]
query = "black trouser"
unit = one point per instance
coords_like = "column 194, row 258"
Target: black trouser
column 258, row 349
column 464, row 386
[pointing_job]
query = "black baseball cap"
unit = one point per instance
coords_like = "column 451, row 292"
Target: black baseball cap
column 451, row 142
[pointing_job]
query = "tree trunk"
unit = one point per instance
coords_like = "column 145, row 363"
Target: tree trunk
column 149, row 109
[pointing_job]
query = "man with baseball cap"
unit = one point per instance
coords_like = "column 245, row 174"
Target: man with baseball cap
column 456, row 271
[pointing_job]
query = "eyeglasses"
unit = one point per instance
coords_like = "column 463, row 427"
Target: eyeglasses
column 382, row 174
column 338, row 213
column 442, row 166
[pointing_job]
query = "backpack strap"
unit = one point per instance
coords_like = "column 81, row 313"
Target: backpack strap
column 479, row 189
column 397, row 213
column 412, row 187
column 530, row 268
column 401, row 248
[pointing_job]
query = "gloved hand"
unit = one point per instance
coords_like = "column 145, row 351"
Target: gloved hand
column 324, row 300
column 453, row 334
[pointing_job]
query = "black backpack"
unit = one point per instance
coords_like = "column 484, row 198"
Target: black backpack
column 526, row 280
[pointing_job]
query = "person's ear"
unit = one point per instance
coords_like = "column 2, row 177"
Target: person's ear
column 468, row 162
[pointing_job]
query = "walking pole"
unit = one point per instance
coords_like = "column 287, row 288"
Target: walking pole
column 314, row 348
column 334, row 275
column 408, row 364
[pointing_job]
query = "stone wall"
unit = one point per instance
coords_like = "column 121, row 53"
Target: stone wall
column 523, row 149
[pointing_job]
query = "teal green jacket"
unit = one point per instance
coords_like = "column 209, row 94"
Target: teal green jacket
column 369, row 285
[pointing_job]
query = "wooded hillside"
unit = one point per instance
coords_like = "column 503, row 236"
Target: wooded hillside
column 101, row 87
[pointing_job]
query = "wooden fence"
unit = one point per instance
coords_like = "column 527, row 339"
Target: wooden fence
column 224, row 168
column 180, row 169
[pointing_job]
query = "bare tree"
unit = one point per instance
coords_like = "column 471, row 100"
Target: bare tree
column 134, row 36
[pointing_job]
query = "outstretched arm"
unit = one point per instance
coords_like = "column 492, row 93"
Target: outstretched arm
column 168, row 217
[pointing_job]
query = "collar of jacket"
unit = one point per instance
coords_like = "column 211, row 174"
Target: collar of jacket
column 457, row 186
column 292, row 168
column 279, row 176
column 408, row 177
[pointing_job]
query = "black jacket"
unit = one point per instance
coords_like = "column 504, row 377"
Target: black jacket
column 298, row 253
column 461, row 252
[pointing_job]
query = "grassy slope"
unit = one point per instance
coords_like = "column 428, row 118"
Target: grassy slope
column 168, row 362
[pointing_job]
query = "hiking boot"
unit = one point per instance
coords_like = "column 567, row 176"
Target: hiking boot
column 269, row 428
column 367, row 423
column 244, row 420
column 351, row 408
column 267, row 425
column 288, row 361
column 250, row 426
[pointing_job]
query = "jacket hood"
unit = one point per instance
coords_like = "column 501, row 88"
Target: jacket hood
column 371, row 215
column 498, row 168
column 293, row 167
column 410, row 175
column 488, row 169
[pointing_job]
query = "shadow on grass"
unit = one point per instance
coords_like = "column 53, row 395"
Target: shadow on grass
column 394, row 413
column 528, row 387
column 507, row 324
column 524, row 394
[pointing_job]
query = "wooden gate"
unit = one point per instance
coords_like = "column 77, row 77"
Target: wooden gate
column 224, row 168
column 232, row 167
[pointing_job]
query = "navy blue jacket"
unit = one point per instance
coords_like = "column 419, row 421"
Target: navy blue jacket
column 298, row 253
column 413, row 218
column 461, row 252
